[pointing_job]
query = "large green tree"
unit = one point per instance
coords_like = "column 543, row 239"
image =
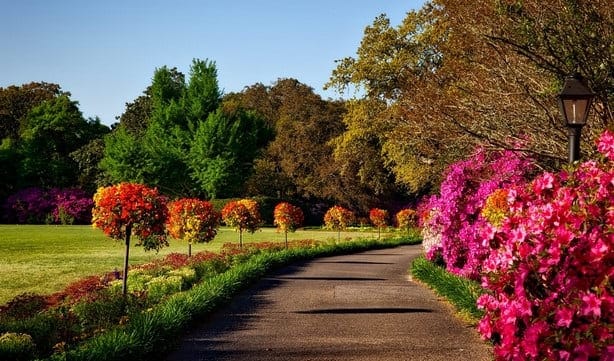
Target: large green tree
column 223, row 151
column 52, row 131
column 17, row 101
column 189, row 146
column 42, row 128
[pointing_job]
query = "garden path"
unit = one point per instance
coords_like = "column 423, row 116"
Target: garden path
column 353, row 307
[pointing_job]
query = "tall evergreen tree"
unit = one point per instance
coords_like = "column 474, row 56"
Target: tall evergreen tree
column 190, row 146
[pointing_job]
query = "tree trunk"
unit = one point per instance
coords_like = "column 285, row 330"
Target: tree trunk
column 286, row 239
column 241, row 238
column 190, row 249
column 125, row 280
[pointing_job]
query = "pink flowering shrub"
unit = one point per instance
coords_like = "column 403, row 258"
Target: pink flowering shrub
column 36, row 205
column 71, row 203
column 550, row 269
column 430, row 231
column 456, row 212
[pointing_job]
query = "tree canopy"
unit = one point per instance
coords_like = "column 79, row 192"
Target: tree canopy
column 456, row 73
column 179, row 138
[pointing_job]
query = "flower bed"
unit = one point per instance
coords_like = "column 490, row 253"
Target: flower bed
column 103, row 325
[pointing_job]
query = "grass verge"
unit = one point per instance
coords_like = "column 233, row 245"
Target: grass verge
column 43, row 259
column 460, row 292
column 149, row 335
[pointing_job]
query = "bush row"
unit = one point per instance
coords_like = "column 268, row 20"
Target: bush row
column 542, row 250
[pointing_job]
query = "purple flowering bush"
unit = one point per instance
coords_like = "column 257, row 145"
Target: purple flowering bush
column 452, row 220
column 37, row 206
column 550, row 268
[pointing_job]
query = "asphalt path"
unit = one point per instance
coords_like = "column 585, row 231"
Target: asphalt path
column 355, row 307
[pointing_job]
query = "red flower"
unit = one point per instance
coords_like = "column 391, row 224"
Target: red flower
column 131, row 206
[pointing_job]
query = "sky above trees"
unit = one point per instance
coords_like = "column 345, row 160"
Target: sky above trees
column 104, row 53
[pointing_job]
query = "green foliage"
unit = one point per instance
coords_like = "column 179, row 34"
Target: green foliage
column 51, row 132
column 10, row 158
column 161, row 286
column 124, row 158
column 137, row 114
column 461, row 292
column 166, row 166
column 180, row 140
column 203, row 93
column 88, row 158
column 16, row 347
column 223, row 151
column 17, row 101
column 103, row 311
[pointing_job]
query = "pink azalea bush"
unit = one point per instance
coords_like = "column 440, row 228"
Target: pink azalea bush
column 454, row 218
column 56, row 205
column 550, row 266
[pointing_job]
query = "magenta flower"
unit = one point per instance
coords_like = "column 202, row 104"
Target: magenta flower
column 591, row 305
column 605, row 144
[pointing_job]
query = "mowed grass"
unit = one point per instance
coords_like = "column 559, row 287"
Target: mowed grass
column 44, row 259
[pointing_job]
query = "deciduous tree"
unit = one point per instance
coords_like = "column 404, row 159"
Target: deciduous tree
column 243, row 215
column 338, row 218
column 379, row 218
column 287, row 218
column 53, row 130
column 129, row 208
column 457, row 73
column 17, row 101
column 193, row 220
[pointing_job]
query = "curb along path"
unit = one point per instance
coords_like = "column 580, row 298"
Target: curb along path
column 353, row 307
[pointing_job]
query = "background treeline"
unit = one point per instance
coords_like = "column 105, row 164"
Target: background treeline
column 452, row 75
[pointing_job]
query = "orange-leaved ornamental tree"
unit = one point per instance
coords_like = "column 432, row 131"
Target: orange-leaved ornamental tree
column 287, row 218
column 129, row 208
column 193, row 220
column 406, row 219
column 242, row 215
column 338, row 218
column 379, row 218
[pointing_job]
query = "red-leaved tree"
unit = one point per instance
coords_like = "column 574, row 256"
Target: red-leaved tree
column 193, row 220
column 406, row 219
column 287, row 218
column 129, row 208
column 242, row 215
column 379, row 218
column 338, row 218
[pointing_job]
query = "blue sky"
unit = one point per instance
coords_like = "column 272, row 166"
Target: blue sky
column 105, row 52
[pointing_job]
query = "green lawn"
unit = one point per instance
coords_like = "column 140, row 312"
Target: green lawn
column 44, row 259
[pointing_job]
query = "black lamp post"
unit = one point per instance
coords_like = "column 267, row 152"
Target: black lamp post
column 575, row 102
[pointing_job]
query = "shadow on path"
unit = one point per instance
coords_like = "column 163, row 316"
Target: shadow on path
column 358, row 311
column 351, row 307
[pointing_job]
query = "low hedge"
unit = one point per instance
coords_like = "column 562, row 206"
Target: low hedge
column 461, row 292
column 150, row 334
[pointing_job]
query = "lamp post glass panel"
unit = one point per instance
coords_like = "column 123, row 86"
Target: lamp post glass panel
column 575, row 102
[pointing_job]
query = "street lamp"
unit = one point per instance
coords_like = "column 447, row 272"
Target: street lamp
column 575, row 102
